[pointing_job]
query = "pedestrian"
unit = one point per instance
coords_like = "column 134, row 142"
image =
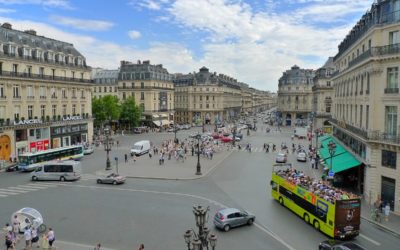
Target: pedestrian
column 117, row 143
column 316, row 161
column 15, row 225
column 10, row 244
column 28, row 238
column 386, row 211
column 312, row 162
column 97, row 247
column 192, row 150
column 126, row 158
column 150, row 155
column 141, row 247
column 45, row 242
column 51, row 237
column 35, row 237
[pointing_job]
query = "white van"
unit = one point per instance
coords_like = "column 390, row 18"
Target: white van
column 140, row 148
column 58, row 171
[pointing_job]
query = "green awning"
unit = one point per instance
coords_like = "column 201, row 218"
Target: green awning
column 341, row 160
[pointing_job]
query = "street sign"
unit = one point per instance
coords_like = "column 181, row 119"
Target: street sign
column 331, row 174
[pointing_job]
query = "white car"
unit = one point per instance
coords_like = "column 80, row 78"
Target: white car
column 281, row 158
column 88, row 150
column 302, row 156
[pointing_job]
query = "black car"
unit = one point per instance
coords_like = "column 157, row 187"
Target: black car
column 339, row 245
column 13, row 167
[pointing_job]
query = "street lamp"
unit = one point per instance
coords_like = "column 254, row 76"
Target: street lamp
column 332, row 151
column 175, row 131
column 198, row 167
column 234, row 135
column 107, row 147
column 201, row 240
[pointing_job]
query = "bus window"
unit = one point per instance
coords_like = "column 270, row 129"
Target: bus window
column 274, row 186
column 66, row 168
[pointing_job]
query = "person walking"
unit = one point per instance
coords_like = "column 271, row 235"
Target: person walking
column 386, row 211
column 15, row 225
column 51, row 237
column 141, row 247
column 28, row 238
column 126, row 158
column 97, row 247
column 45, row 242
column 35, row 237
column 312, row 162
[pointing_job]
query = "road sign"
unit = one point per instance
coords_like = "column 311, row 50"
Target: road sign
column 331, row 174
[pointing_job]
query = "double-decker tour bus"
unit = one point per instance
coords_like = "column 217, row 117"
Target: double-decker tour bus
column 330, row 210
column 29, row 161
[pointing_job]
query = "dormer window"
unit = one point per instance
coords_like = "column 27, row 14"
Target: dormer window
column 12, row 50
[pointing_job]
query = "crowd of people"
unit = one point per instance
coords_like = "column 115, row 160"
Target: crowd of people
column 320, row 188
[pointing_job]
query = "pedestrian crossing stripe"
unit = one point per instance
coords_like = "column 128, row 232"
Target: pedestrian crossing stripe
column 3, row 195
column 7, row 193
column 9, row 190
column 40, row 185
column 22, row 188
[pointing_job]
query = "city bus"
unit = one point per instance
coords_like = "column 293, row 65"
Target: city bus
column 30, row 161
column 338, row 220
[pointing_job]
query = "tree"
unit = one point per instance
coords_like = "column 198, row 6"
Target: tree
column 130, row 112
column 105, row 109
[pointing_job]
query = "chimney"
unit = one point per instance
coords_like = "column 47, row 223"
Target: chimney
column 31, row 32
column 138, row 62
column 7, row 26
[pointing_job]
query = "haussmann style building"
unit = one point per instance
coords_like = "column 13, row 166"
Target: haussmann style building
column 45, row 93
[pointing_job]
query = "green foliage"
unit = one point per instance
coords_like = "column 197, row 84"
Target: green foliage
column 105, row 109
column 130, row 112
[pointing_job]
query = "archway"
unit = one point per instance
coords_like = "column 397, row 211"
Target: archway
column 5, row 147
column 288, row 119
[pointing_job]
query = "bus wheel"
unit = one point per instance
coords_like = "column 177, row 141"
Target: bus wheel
column 281, row 201
column 62, row 178
column 34, row 178
column 306, row 218
column 316, row 225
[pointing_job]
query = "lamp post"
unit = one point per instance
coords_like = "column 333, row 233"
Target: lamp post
column 332, row 151
column 107, row 147
column 201, row 240
column 198, row 167
column 234, row 135
column 175, row 131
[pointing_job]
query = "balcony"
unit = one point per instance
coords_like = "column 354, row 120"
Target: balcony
column 386, row 137
column 391, row 90
column 355, row 130
column 41, row 76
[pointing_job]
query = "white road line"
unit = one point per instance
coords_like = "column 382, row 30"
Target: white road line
column 7, row 192
column 12, row 191
column 371, row 240
column 262, row 228
column 44, row 184
column 3, row 195
column 24, row 188
column 36, row 186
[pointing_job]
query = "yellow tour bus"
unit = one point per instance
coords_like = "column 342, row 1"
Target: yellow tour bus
column 337, row 218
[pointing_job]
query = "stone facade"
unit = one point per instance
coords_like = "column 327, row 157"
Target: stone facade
column 105, row 82
column 45, row 93
column 367, row 101
column 295, row 96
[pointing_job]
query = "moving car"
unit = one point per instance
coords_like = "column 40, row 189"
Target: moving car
column 337, row 245
column 87, row 150
column 302, row 156
column 112, row 178
column 226, row 139
column 281, row 158
column 228, row 218
column 140, row 148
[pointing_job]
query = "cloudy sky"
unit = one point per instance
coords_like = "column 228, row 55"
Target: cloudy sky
column 253, row 41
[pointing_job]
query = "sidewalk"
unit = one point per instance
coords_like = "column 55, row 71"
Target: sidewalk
column 146, row 167
column 61, row 245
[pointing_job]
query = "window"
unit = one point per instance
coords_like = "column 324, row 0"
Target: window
column 361, row 115
column 142, row 96
column 142, row 107
column 30, row 111
column 73, row 109
column 389, row 159
column 41, row 71
column 54, row 110
column 201, row 98
column 16, row 91
column 123, row 95
column 2, row 91
column 391, row 120
column 64, row 109
column 30, row 93
column 17, row 111
column 74, row 93
column 394, row 37
column 82, row 109
column 63, row 93
column 29, row 70
column 392, row 78
column 368, row 85
column 2, row 111
column 105, row 89
column 366, row 117
column 42, row 110
column 53, row 92
column 15, row 68
column 142, row 85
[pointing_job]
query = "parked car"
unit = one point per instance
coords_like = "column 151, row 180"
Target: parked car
column 112, row 178
column 338, row 245
column 87, row 150
column 302, row 156
column 171, row 130
column 281, row 158
column 226, row 139
column 228, row 218
column 140, row 148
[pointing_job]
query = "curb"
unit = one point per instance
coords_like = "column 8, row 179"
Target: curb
column 385, row 228
column 177, row 179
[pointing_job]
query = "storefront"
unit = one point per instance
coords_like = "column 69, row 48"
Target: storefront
column 67, row 135
column 30, row 137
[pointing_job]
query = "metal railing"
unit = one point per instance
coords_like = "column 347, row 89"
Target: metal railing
column 40, row 76
column 391, row 90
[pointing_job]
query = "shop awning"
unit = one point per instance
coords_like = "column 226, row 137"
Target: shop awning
column 341, row 160
column 154, row 116
column 157, row 123
column 164, row 122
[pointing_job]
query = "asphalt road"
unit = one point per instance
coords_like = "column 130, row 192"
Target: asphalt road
column 158, row 212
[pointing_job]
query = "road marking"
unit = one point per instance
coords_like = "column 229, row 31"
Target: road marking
column 371, row 240
column 261, row 227
column 28, row 189
column 39, row 186
column 3, row 195
column 12, row 191
column 7, row 192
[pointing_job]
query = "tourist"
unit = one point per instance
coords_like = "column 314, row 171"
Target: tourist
column 51, row 237
column 28, row 238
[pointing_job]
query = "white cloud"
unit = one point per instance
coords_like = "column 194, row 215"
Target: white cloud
column 4, row 11
column 82, row 24
column 150, row 4
column 134, row 34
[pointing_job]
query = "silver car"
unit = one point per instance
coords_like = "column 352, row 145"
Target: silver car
column 112, row 178
column 228, row 218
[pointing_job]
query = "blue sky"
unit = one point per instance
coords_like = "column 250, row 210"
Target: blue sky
column 253, row 41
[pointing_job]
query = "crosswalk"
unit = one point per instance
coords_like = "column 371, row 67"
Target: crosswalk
column 39, row 185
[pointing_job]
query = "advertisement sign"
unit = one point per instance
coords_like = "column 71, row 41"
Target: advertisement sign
column 347, row 214
column 39, row 145
column 163, row 101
